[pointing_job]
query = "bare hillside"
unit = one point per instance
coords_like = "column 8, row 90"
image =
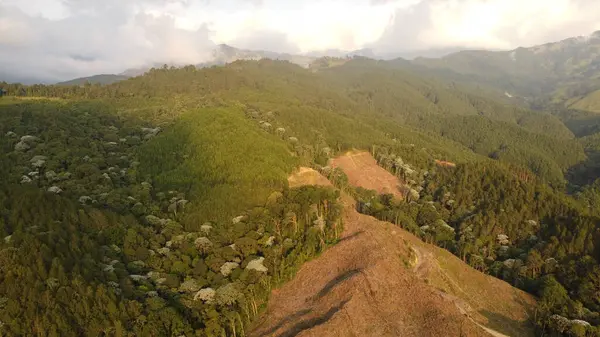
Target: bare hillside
column 382, row 281
column 362, row 170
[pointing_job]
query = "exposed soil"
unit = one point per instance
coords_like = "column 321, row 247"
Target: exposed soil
column 307, row 176
column 382, row 281
column 362, row 170
column 445, row 163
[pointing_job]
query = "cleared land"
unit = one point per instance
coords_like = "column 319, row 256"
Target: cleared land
column 444, row 163
column 307, row 176
column 362, row 170
column 382, row 281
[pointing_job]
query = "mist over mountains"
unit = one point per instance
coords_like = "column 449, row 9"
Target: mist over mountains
column 572, row 64
column 224, row 53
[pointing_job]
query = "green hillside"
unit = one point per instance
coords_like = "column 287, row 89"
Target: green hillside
column 325, row 105
column 590, row 102
column 482, row 124
column 553, row 73
column 161, row 203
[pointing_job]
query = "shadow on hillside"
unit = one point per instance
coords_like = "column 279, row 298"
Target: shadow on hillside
column 585, row 172
column 315, row 321
column 297, row 315
column 304, row 323
column 336, row 281
column 351, row 236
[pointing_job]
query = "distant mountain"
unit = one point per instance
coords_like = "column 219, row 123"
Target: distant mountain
column 226, row 54
column 221, row 55
column 133, row 72
column 23, row 79
column 564, row 72
column 413, row 54
column 554, row 73
column 96, row 79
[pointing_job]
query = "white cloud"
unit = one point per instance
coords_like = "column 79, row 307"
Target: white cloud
column 97, row 39
column 58, row 39
column 498, row 24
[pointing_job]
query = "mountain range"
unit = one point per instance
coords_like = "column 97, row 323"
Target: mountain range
column 564, row 73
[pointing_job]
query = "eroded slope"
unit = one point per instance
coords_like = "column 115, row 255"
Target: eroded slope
column 362, row 170
column 382, row 281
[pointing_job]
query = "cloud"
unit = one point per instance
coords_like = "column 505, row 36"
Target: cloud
column 264, row 39
column 100, row 38
column 495, row 24
column 405, row 28
column 60, row 39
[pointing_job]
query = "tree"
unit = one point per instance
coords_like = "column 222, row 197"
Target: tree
column 534, row 262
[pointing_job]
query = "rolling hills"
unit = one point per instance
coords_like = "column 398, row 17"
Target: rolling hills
column 164, row 204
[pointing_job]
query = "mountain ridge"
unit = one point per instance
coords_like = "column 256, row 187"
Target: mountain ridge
column 544, row 75
column 520, row 73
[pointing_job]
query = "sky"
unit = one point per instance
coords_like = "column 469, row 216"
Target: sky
column 54, row 40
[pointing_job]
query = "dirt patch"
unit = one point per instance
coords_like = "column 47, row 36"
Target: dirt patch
column 307, row 176
column 382, row 281
column 362, row 170
column 444, row 163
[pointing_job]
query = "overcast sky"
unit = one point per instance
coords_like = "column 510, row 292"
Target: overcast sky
column 62, row 39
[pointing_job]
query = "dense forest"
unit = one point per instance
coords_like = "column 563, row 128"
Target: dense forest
column 181, row 231
column 161, row 204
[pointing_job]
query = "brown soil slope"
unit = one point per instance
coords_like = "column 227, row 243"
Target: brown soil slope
column 362, row 170
column 382, row 281
column 307, row 176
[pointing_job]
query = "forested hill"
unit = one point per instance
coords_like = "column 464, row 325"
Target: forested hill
column 161, row 202
column 374, row 92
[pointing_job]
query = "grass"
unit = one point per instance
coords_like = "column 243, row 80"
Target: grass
column 590, row 102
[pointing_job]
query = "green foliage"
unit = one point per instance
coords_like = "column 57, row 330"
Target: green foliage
column 223, row 161
column 55, row 251
column 590, row 102
column 588, row 171
column 356, row 104
column 154, row 195
column 120, row 232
